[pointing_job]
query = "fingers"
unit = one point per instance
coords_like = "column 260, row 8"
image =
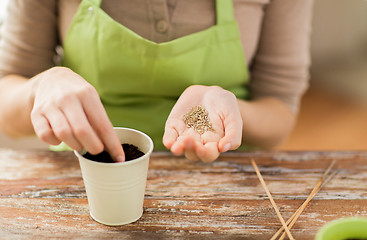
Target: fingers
column 208, row 146
column 170, row 136
column 190, row 149
column 66, row 122
column 195, row 149
column 114, row 147
column 67, row 108
column 81, row 127
column 43, row 129
column 100, row 122
column 208, row 152
column 185, row 145
column 61, row 128
column 178, row 147
column 192, row 156
column 184, row 142
column 174, row 137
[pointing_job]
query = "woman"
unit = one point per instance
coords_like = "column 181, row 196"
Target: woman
column 145, row 64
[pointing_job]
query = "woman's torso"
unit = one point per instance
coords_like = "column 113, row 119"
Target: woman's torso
column 165, row 20
column 139, row 81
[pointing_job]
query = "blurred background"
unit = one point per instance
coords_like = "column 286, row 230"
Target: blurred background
column 334, row 110
column 333, row 113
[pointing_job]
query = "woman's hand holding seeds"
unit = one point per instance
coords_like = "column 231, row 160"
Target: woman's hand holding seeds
column 204, row 122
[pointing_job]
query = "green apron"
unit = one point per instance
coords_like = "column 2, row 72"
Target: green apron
column 138, row 80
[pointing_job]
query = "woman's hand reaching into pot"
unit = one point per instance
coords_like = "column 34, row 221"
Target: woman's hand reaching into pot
column 224, row 115
column 66, row 108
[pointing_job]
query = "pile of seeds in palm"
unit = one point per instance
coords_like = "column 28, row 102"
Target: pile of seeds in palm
column 198, row 119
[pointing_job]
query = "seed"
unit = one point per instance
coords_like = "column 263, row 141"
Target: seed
column 198, row 119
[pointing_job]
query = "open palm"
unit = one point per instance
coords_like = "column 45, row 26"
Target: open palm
column 224, row 116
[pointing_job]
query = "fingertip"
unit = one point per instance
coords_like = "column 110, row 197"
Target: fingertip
column 208, row 153
column 118, row 153
column 52, row 141
column 192, row 156
column 177, row 148
column 120, row 158
column 226, row 147
column 189, row 143
column 233, row 136
column 169, row 138
column 183, row 144
column 227, row 144
column 97, row 148
column 168, row 144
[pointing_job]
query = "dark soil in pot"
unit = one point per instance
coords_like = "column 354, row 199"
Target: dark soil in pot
column 131, row 152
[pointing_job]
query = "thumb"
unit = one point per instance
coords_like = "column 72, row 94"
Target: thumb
column 232, row 134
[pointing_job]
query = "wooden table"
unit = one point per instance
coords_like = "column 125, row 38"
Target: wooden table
column 42, row 196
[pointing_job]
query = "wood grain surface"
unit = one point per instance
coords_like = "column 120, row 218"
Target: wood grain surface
column 42, row 196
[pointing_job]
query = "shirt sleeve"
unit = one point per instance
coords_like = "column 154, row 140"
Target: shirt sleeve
column 29, row 37
column 281, row 64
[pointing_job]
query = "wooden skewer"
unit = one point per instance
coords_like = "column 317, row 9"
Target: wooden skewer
column 291, row 221
column 303, row 206
column 298, row 213
column 329, row 178
column 295, row 214
column 316, row 189
column 271, row 199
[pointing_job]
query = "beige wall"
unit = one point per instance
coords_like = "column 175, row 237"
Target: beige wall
column 339, row 46
column 339, row 30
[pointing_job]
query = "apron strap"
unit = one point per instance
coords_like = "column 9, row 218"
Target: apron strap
column 96, row 2
column 224, row 10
